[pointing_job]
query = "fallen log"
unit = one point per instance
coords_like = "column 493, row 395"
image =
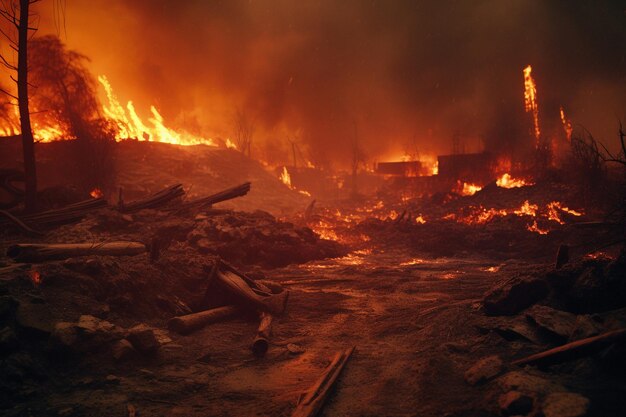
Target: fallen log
column 573, row 350
column 228, row 194
column 157, row 200
column 249, row 293
column 313, row 401
column 194, row 321
column 57, row 217
column 261, row 342
column 38, row 252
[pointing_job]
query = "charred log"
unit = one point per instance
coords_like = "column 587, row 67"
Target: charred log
column 189, row 323
column 33, row 252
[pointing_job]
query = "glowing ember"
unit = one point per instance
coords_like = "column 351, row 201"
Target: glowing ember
column 131, row 126
column 96, row 193
column 530, row 101
column 507, row 181
column 420, row 220
column 35, row 277
column 535, row 228
column 567, row 125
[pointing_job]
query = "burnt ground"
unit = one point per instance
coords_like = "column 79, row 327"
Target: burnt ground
column 434, row 309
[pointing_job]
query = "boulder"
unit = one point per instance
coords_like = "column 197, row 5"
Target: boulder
column 99, row 329
column 565, row 404
column 515, row 403
column 122, row 350
column 557, row 323
column 143, row 339
column 484, row 370
column 515, row 295
column 65, row 335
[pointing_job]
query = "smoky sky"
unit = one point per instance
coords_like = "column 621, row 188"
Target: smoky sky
column 384, row 72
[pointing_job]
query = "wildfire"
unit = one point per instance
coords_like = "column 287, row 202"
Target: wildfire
column 131, row 126
column 420, row 219
column 530, row 101
column 554, row 210
column 507, row 181
column 567, row 125
column 527, row 209
column 534, row 227
column 96, row 193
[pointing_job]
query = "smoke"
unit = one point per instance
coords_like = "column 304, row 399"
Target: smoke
column 387, row 73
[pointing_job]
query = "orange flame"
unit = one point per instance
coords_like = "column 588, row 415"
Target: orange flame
column 567, row 125
column 530, row 101
column 131, row 126
column 96, row 193
column 507, row 181
column 285, row 177
column 468, row 189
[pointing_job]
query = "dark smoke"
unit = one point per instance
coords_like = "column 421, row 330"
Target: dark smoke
column 383, row 71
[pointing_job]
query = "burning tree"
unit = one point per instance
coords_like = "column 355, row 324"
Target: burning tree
column 17, row 14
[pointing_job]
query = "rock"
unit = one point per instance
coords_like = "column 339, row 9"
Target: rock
column 8, row 340
column 143, row 339
column 295, row 349
column 65, row 334
column 515, row 403
column 97, row 328
column 484, row 370
column 122, row 350
column 34, row 320
column 557, row 323
column 565, row 404
column 515, row 295
column 585, row 327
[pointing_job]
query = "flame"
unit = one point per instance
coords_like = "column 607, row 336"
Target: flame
column 131, row 126
column 534, row 227
column 96, row 193
column 507, row 181
column 530, row 101
column 567, row 125
column 230, row 144
column 420, row 219
column 285, row 177
column 554, row 209
column 527, row 209
column 468, row 189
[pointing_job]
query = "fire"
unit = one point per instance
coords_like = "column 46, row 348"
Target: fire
column 527, row 209
column 507, row 181
column 420, row 219
column 567, row 125
column 96, row 193
column 534, row 227
column 468, row 189
column 530, row 101
column 230, row 144
column 285, row 177
column 554, row 209
column 131, row 126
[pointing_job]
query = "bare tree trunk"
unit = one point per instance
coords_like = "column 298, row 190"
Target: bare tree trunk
column 28, row 145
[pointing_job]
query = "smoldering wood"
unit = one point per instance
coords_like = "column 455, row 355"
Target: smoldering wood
column 39, row 252
column 573, row 350
column 250, row 294
column 191, row 322
column 313, row 401
column 228, row 194
column 56, row 217
column 157, row 200
column 261, row 342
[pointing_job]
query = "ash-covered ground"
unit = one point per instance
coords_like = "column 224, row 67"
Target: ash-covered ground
column 440, row 295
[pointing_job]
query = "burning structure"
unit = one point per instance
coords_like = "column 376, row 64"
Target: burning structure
column 194, row 218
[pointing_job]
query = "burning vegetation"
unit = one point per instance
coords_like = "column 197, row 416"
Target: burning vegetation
column 296, row 201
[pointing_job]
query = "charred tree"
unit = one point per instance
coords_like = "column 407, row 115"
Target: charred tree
column 244, row 131
column 17, row 14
